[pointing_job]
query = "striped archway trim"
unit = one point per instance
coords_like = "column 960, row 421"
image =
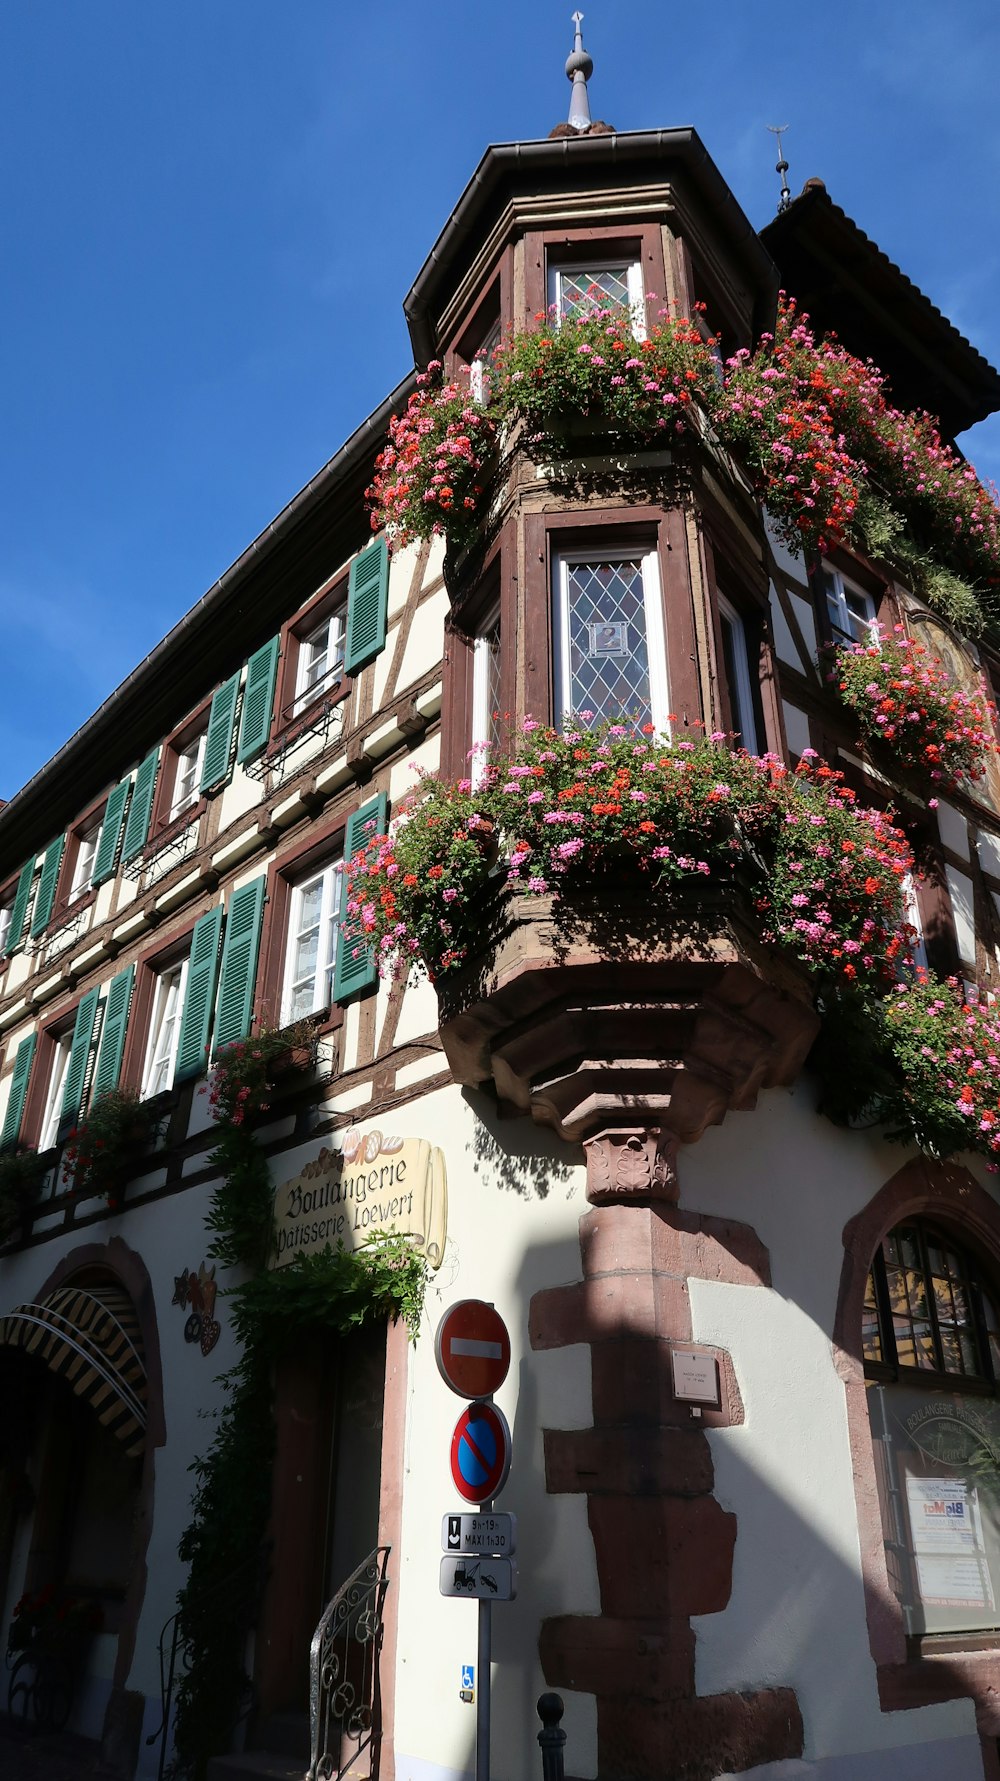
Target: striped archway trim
column 89, row 1335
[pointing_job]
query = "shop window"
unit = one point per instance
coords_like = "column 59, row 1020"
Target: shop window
column 850, row 609
column 931, row 1346
column 739, row 680
column 164, row 1028
column 487, row 718
column 608, row 636
column 314, row 921
column 578, row 288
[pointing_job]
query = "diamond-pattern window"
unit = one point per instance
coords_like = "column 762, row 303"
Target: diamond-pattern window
column 608, row 653
column 584, row 286
column 493, row 714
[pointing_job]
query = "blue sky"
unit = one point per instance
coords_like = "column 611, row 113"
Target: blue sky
column 212, row 210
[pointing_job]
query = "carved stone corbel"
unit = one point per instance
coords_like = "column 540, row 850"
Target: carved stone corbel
column 631, row 1163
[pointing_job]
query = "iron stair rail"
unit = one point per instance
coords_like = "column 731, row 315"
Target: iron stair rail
column 344, row 1694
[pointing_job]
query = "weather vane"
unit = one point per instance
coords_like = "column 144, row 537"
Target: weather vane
column 781, row 166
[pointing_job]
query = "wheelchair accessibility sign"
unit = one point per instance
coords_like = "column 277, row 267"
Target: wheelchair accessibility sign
column 467, row 1692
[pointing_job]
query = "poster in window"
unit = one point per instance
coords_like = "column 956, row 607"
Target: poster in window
column 948, row 1546
column 609, row 639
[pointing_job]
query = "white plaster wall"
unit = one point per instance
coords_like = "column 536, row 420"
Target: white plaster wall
column 797, row 1612
column 515, row 1197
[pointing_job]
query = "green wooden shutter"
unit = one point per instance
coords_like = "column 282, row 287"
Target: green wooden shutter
column 47, row 887
column 18, row 1090
column 137, row 826
column 111, row 828
column 355, row 968
column 79, row 1056
column 258, row 701
column 109, row 1057
column 20, row 907
column 367, row 606
column 196, row 1021
column 239, row 964
column 219, row 741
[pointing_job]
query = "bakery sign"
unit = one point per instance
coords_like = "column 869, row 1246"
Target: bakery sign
column 371, row 1186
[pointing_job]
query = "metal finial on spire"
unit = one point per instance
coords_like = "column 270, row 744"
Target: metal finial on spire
column 781, row 166
column 579, row 68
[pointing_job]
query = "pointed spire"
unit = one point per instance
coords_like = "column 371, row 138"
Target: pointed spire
column 781, row 166
column 579, row 68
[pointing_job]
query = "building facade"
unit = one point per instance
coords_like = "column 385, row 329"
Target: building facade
column 621, row 1151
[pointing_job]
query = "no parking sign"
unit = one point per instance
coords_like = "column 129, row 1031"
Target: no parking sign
column 480, row 1453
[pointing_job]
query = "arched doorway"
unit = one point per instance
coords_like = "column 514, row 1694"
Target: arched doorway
column 76, row 1478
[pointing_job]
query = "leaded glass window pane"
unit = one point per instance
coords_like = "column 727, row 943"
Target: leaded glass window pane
column 608, row 665
column 586, row 286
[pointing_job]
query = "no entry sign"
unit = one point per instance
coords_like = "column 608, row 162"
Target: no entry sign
column 472, row 1349
column 480, row 1453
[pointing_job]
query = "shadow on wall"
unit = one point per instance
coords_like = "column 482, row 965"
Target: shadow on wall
column 730, row 1594
column 532, row 1173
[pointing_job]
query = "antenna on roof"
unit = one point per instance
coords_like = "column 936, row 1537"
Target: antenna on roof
column 579, row 68
column 781, row 166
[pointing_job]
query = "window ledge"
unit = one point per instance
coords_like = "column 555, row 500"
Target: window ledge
column 65, row 913
column 176, row 826
column 307, row 718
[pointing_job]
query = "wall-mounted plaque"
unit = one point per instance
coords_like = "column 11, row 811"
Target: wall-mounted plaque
column 696, row 1377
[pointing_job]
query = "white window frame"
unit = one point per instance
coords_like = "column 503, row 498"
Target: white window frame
column 633, row 279
column 836, row 587
column 745, row 714
column 6, row 914
column 330, row 917
column 88, row 841
column 335, row 624
column 165, row 1020
column 479, row 369
column 51, row 1117
column 481, row 716
column 656, row 639
column 911, row 914
column 189, row 762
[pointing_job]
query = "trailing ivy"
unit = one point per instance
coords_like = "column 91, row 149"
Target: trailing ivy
column 331, row 1293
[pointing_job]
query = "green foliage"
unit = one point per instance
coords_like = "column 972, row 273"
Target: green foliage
column 584, row 807
column 21, row 1176
column 107, row 1141
column 592, row 365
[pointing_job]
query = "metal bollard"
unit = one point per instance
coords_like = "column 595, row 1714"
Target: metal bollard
column 551, row 1738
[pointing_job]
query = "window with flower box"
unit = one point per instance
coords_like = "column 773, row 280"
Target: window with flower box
column 319, row 666
column 580, row 286
column 609, row 646
column 740, row 681
column 850, row 609
column 931, row 1346
column 487, row 697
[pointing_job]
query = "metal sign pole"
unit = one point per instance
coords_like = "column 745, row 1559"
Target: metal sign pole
column 485, row 1661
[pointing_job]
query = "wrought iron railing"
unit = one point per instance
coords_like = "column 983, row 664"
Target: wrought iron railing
column 240, row 1590
column 344, row 1701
